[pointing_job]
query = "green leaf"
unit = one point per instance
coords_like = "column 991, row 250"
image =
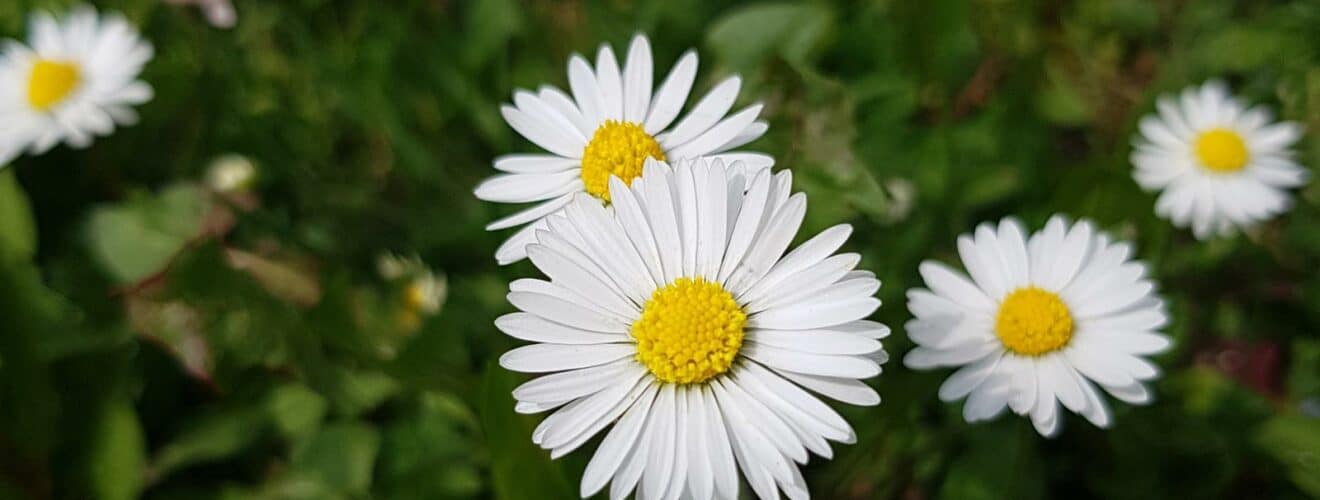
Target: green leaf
column 341, row 455
column 33, row 316
column 213, row 437
column 491, row 23
column 18, row 233
column 117, row 455
column 430, row 453
column 997, row 463
column 138, row 238
column 296, row 411
column 353, row 392
column 519, row 469
column 1294, row 440
column 745, row 37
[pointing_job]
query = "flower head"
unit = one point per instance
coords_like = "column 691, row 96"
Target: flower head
column 675, row 316
column 77, row 79
column 1042, row 321
column 610, row 126
column 1219, row 165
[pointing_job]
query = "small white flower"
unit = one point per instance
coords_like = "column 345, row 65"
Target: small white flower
column 1041, row 321
column 610, row 125
column 230, row 172
column 77, row 80
column 1220, row 165
column 675, row 316
column 219, row 13
column 424, row 290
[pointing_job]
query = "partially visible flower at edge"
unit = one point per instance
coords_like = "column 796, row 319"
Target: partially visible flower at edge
column 76, row 80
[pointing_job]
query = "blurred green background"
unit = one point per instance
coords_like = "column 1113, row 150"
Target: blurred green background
column 168, row 340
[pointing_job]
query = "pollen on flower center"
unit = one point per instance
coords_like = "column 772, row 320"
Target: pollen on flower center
column 51, row 82
column 689, row 332
column 1221, row 150
column 1032, row 322
column 619, row 149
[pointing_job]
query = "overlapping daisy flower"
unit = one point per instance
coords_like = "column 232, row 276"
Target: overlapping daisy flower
column 76, row 80
column 1220, row 166
column 676, row 317
column 1042, row 321
column 609, row 127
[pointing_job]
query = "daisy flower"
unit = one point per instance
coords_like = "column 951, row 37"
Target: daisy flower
column 1041, row 322
column 674, row 318
column 1220, row 165
column 610, row 126
column 76, row 81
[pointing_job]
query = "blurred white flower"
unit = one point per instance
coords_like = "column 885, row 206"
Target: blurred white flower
column 902, row 198
column 220, row 13
column 424, row 291
column 1219, row 165
column 230, row 172
column 1041, row 321
column 76, row 80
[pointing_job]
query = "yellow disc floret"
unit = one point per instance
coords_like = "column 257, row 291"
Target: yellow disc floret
column 1221, row 150
column 51, row 82
column 1032, row 322
column 619, row 149
column 689, row 331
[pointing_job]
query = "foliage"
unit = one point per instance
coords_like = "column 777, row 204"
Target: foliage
column 163, row 339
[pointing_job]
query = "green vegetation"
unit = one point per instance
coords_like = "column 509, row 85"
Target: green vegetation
column 159, row 339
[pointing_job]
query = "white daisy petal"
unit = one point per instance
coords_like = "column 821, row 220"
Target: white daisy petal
column 637, row 80
column 769, row 243
column 523, row 188
column 750, row 161
column 747, row 224
column 672, row 94
column 563, row 270
column 531, row 214
column 811, row 364
column 751, row 133
column 543, row 358
column 564, row 105
column 534, row 164
column 547, row 135
column 805, row 255
column 564, row 312
column 533, row 328
column 708, row 111
column 622, row 439
column 558, row 388
column 534, row 107
column 586, row 91
column 568, row 438
column 514, row 249
column 949, row 284
column 723, row 132
column 661, row 461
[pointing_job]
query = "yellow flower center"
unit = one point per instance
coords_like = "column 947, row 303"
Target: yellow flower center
column 1033, row 322
column 689, row 332
column 415, row 297
column 1221, row 150
column 619, row 149
column 51, row 82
